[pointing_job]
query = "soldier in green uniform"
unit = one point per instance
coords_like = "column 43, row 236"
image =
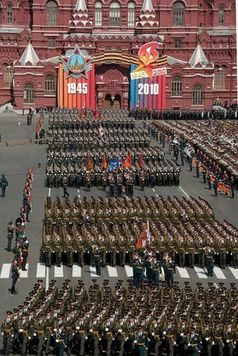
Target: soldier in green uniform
column 7, row 331
column 15, row 276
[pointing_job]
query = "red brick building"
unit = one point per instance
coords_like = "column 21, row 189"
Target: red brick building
column 198, row 37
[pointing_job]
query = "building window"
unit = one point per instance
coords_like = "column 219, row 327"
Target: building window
column 177, row 86
column 29, row 93
column 49, row 85
column 177, row 43
column 9, row 14
column 219, row 78
column 221, row 16
column 178, row 14
column 198, row 95
column 98, row 14
column 51, row 9
column 51, row 42
column 7, row 75
column 131, row 14
column 114, row 14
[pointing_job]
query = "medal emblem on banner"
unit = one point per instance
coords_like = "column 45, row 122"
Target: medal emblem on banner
column 148, row 57
column 76, row 63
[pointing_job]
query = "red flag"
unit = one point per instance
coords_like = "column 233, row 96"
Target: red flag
column 128, row 161
column 141, row 160
column 145, row 236
column 141, row 242
column 104, row 162
column 89, row 163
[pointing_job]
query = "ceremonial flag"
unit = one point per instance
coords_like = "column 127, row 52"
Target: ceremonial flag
column 89, row 163
column 104, row 162
column 145, row 237
column 114, row 164
column 141, row 160
column 128, row 161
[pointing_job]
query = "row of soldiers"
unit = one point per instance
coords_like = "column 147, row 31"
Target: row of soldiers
column 124, row 320
column 61, row 154
column 93, row 139
column 70, row 121
column 77, row 175
column 145, row 114
column 75, row 234
column 120, row 209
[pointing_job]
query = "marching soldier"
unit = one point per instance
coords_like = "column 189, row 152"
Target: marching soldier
column 15, row 276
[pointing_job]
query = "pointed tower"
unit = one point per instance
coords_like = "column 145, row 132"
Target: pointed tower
column 198, row 57
column 80, row 21
column 29, row 56
column 147, row 22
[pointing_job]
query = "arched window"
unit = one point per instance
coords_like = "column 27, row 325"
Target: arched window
column 114, row 14
column 51, row 9
column 219, row 78
column 198, row 95
column 221, row 16
column 131, row 14
column 29, row 93
column 177, row 86
column 7, row 75
column 98, row 13
column 9, row 13
column 49, row 85
column 178, row 14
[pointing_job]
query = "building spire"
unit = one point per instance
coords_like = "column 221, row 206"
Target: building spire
column 81, row 5
column 147, row 6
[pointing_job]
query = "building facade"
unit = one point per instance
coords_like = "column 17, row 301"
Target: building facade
column 198, row 36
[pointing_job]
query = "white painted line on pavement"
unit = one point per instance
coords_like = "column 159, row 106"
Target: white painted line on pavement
column 183, row 272
column 218, row 273
column 6, row 269
column 200, row 272
column 216, row 285
column 93, row 272
column 40, row 271
column 59, row 272
column 157, row 195
column 47, row 279
column 183, row 191
column 153, row 189
column 76, row 271
column 112, row 271
column 129, row 271
column 49, row 192
column 234, row 271
column 24, row 274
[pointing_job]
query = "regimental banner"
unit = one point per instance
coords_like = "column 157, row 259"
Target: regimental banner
column 148, row 79
column 76, row 80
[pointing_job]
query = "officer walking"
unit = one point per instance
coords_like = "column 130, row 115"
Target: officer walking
column 15, row 276
column 3, row 184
